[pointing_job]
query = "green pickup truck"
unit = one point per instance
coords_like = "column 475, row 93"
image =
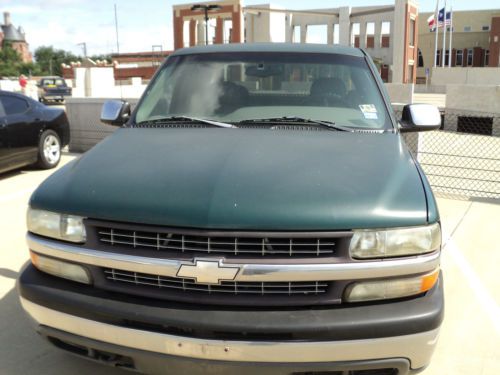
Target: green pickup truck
column 257, row 213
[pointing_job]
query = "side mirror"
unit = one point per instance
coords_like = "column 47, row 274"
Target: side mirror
column 115, row 112
column 420, row 117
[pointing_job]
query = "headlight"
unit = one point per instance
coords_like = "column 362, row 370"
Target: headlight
column 60, row 226
column 390, row 288
column 60, row 268
column 395, row 242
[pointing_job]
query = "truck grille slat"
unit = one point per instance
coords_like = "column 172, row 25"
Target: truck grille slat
column 231, row 287
column 242, row 246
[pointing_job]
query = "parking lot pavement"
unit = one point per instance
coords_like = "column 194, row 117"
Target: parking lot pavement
column 470, row 336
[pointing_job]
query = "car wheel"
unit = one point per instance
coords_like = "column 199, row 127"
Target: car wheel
column 49, row 150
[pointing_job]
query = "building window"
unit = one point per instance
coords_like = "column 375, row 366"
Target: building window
column 470, row 57
column 485, row 28
column 446, row 57
column 438, row 57
column 420, row 59
column 487, row 57
column 185, row 33
column 370, row 34
column 385, row 34
column 411, row 39
column 227, row 31
column 355, row 35
column 459, row 58
column 467, row 29
column 317, row 34
column 336, row 33
column 296, row 34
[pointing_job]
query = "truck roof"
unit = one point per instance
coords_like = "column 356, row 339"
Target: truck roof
column 271, row 47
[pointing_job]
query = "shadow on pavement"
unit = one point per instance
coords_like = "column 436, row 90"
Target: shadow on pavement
column 5, row 272
column 24, row 352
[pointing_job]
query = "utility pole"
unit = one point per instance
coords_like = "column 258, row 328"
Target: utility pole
column 116, row 31
column 84, row 45
column 206, row 9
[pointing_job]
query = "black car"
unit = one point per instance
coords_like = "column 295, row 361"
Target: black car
column 30, row 132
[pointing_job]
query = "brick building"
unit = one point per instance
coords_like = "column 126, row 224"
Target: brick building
column 475, row 43
column 16, row 37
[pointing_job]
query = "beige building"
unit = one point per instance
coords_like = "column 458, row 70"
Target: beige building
column 388, row 32
column 475, row 42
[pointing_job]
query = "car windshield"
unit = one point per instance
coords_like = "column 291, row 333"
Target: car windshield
column 54, row 82
column 236, row 87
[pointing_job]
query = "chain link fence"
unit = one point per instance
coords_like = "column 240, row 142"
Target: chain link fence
column 463, row 158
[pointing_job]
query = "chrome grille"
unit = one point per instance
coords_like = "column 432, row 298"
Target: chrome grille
column 228, row 287
column 253, row 246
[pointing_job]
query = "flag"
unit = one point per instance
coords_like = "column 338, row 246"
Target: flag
column 441, row 17
column 432, row 22
column 448, row 19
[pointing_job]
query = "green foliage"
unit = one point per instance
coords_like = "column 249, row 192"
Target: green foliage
column 10, row 61
column 49, row 60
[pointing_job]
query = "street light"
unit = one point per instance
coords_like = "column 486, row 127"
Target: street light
column 84, row 45
column 206, row 9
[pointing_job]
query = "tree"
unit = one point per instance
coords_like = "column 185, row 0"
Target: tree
column 49, row 60
column 10, row 61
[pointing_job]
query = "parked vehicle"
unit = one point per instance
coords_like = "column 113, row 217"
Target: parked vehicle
column 257, row 213
column 30, row 132
column 53, row 89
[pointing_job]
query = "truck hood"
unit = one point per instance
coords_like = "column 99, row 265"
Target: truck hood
column 254, row 179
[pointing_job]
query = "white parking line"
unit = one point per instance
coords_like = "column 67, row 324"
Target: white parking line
column 484, row 298
column 16, row 195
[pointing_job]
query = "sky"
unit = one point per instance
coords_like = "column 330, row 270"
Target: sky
column 141, row 23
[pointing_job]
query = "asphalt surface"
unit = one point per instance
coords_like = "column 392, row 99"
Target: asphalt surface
column 470, row 336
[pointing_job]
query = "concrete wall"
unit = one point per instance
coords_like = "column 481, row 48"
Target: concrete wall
column 473, row 98
column 84, row 118
column 100, row 83
column 465, row 76
column 400, row 93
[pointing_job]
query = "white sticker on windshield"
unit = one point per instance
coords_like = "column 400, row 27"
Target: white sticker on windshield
column 369, row 111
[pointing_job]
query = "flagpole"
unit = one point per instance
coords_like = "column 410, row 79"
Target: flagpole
column 436, row 25
column 451, row 35
column 443, row 54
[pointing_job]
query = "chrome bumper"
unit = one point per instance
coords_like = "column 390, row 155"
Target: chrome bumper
column 418, row 348
column 260, row 272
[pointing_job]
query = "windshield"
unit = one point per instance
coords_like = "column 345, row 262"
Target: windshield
column 235, row 87
column 53, row 82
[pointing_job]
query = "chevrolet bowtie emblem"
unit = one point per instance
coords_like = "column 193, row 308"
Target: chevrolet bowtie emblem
column 207, row 272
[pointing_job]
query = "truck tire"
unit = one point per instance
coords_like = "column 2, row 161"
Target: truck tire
column 49, row 150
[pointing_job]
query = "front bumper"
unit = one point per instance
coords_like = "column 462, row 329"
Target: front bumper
column 187, row 336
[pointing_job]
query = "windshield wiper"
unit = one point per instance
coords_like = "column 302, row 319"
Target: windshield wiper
column 187, row 118
column 299, row 120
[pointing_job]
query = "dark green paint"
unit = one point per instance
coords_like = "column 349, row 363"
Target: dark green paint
column 256, row 179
